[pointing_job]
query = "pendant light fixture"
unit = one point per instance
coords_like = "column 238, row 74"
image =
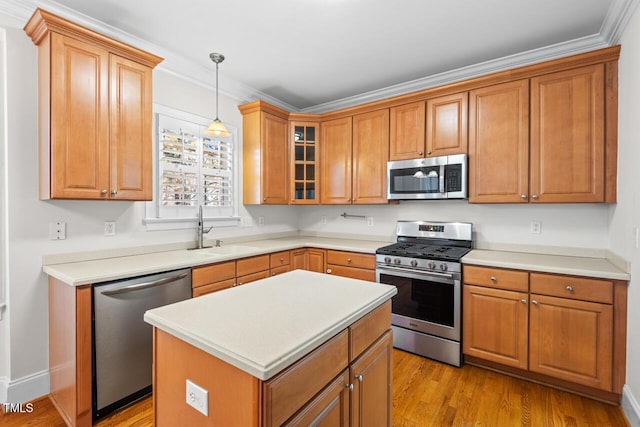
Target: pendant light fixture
column 217, row 128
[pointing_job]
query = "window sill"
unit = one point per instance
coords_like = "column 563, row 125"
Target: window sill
column 159, row 224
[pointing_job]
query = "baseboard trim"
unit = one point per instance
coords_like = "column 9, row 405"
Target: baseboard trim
column 25, row 389
column 630, row 407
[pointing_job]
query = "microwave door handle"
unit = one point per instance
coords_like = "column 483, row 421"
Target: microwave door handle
column 441, row 178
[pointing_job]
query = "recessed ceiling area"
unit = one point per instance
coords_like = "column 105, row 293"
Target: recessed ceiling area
column 310, row 53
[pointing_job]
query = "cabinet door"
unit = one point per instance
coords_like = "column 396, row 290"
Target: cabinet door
column 330, row 408
column 131, row 111
column 406, row 136
column 567, row 136
column 79, row 127
column 315, row 260
column 571, row 340
column 274, row 152
column 495, row 325
column 298, row 259
column 371, row 376
column 335, row 163
column 370, row 156
column 499, row 143
column 305, row 161
column 447, row 125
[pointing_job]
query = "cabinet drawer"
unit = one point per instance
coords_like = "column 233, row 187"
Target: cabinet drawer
column 367, row 330
column 285, row 394
column 279, row 270
column 212, row 273
column 252, row 265
column 351, row 259
column 498, row 278
column 247, row 278
column 354, row 273
column 581, row 288
column 213, row 287
column 279, row 259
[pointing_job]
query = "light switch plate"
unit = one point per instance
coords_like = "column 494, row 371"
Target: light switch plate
column 198, row 398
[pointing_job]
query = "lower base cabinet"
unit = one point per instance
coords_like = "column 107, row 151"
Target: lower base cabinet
column 344, row 382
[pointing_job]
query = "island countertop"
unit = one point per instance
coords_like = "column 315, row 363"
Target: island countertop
column 264, row 326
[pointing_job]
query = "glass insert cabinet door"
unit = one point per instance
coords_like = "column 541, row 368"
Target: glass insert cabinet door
column 305, row 162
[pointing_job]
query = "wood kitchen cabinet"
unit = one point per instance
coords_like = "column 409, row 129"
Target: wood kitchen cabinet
column 351, row 264
column 265, row 154
column 407, row 131
column 499, row 143
column 213, row 278
column 315, row 260
column 279, row 262
column 354, row 159
column 305, row 162
column 568, row 136
column 447, row 125
column 95, row 108
column 566, row 331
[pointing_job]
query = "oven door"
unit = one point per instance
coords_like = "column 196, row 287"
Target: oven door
column 428, row 302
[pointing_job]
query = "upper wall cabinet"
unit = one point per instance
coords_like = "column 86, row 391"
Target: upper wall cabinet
column 265, row 154
column 95, row 107
column 305, row 161
column 337, row 145
column 435, row 128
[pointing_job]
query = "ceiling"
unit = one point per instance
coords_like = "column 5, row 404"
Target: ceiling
column 316, row 55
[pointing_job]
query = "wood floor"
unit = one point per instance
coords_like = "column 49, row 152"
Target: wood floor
column 425, row 393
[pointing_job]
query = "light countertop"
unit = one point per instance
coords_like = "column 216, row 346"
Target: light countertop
column 102, row 270
column 571, row 265
column 265, row 326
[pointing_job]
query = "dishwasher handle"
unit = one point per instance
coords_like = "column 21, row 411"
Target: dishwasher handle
column 145, row 285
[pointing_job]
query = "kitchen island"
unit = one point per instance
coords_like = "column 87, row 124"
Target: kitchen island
column 289, row 349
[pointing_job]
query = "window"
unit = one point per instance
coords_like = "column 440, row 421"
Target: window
column 192, row 169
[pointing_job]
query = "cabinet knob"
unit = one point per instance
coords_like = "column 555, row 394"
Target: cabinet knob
column 535, row 197
column 235, row 284
column 534, row 302
column 328, row 271
column 420, row 153
column 358, row 377
column 523, row 197
column 569, row 288
column 349, row 386
column 281, row 259
column 429, row 153
column 114, row 192
column 493, row 278
column 524, row 301
column 103, row 192
column 273, row 274
column 348, row 259
column 264, row 200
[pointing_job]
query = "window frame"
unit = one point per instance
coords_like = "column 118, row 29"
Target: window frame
column 153, row 219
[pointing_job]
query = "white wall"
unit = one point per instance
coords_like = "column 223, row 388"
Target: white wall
column 625, row 215
column 24, row 345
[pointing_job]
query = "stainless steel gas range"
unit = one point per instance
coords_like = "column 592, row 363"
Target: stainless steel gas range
column 425, row 266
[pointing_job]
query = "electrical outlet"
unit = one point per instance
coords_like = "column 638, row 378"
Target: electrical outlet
column 198, row 398
column 323, row 219
column 260, row 220
column 370, row 221
column 109, row 228
column 536, row 227
column 57, row 230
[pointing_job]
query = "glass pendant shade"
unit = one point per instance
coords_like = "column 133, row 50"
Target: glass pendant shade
column 217, row 129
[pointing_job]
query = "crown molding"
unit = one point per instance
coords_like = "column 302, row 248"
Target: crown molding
column 613, row 26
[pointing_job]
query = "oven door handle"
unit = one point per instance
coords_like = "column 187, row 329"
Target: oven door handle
column 411, row 275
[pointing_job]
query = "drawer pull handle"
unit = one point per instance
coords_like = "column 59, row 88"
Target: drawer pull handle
column 358, row 377
column 524, row 301
column 534, row 302
column 569, row 288
column 493, row 278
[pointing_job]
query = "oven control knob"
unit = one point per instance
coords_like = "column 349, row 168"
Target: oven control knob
column 397, row 261
column 443, row 267
column 387, row 260
column 414, row 263
column 431, row 265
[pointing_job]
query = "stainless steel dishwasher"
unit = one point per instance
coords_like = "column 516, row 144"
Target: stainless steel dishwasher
column 122, row 341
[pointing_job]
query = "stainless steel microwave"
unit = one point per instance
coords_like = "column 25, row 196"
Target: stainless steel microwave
column 443, row 177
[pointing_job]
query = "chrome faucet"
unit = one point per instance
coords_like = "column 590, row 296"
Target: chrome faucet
column 201, row 230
